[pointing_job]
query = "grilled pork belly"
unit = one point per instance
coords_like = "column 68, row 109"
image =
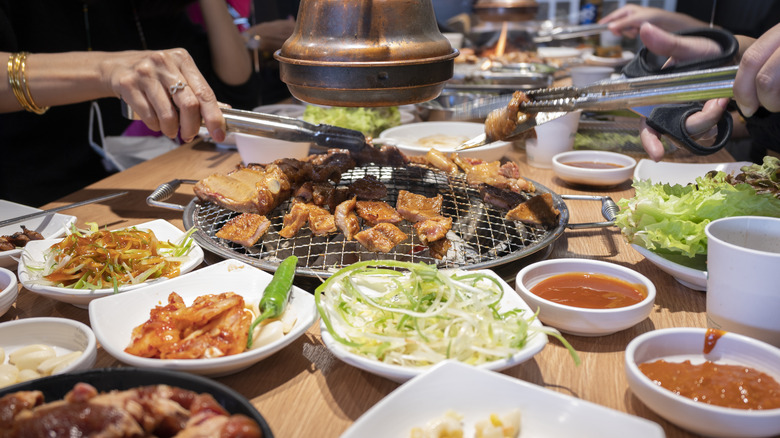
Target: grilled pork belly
column 433, row 228
column 321, row 222
column 495, row 175
column 500, row 198
column 346, row 219
column 376, row 212
column 439, row 248
column 294, row 220
column 415, row 208
column 500, row 123
column 245, row 190
column 539, row 210
column 245, row 229
column 368, row 188
column 381, row 238
column 437, row 159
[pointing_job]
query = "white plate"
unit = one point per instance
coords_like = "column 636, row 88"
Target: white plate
column 680, row 344
column 476, row 393
column 688, row 277
column 50, row 226
column 592, row 59
column 681, row 173
column 114, row 318
column 558, row 52
column 33, row 255
column 450, row 134
column 511, row 300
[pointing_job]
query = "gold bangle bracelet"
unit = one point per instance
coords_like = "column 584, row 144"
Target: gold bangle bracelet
column 17, row 64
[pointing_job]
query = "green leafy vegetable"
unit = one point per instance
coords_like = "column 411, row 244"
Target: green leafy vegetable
column 413, row 314
column 670, row 219
column 765, row 178
column 369, row 121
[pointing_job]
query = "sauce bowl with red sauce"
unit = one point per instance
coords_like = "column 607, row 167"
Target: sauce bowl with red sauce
column 586, row 297
column 593, row 168
column 711, row 370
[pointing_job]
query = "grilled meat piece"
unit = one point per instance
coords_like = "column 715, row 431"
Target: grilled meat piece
column 346, row 219
column 437, row 159
column 245, row 229
column 245, row 190
column 433, row 228
column 294, row 220
column 415, row 208
column 383, row 237
column 382, row 156
column 539, row 210
column 368, row 188
column 321, row 222
column 500, row 123
column 331, row 166
column 439, row 248
column 322, row 194
column 5, row 245
column 375, row 212
column 500, row 198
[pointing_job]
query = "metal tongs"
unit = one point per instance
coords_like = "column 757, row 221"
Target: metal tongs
column 546, row 35
column 285, row 128
column 677, row 86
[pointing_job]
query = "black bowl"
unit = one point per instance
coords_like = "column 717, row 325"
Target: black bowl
column 107, row 379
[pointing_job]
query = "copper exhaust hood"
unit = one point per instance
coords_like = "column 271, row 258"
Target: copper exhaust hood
column 506, row 10
column 366, row 53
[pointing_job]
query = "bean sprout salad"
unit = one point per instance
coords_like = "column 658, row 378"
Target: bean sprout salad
column 413, row 314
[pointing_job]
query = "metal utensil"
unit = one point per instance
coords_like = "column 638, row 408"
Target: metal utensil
column 568, row 32
column 550, row 103
column 25, row 217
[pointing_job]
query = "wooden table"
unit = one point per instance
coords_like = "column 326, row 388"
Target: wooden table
column 304, row 391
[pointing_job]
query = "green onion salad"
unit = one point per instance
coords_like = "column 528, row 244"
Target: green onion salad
column 413, row 314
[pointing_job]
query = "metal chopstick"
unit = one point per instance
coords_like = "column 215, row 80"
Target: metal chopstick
column 25, row 217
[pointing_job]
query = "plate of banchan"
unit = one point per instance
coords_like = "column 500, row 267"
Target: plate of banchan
column 50, row 226
column 476, row 393
column 33, row 256
column 114, row 318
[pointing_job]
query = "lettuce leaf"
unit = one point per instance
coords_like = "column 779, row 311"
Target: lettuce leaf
column 369, row 121
column 670, row 219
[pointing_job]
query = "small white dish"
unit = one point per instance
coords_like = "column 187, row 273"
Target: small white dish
column 592, row 59
column 695, row 279
column 418, row 138
column 602, row 177
column 665, row 172
column 9, row 290
column 50, row 226
column 63, row 334
column 680, row 344
column 577, row 320
column 476, row 393
column 33, row 255
column 510, row 300
column 558, row 52
column 114, row 318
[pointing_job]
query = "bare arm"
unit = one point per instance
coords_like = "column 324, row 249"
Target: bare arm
column 229, row 55
column 140, row 78
column 628, row 19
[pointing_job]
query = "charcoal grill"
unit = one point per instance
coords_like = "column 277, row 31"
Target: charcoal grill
column 481, row 237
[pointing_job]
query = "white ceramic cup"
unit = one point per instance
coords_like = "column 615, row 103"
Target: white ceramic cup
column 583, row 75
column 552, row 138
column 743, row 291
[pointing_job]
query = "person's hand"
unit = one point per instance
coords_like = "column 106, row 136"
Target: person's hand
column 272, row 34
column 758, row 79
column 166, row 90
column 701, row 126
column 627, row 20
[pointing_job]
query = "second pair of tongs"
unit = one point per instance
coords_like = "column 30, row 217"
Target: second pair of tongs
column 550, row 103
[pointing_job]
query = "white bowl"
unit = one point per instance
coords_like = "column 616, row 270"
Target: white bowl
column 476, row 393
column 50, row 226
column 449, row 134
column 33, row 257
column 114, row 318
column 264, row 150
column 594, row 177
column 680, row 344
column 695, row 279
column 63, row 334
column 587, row 74
column 9, row 290
column 510, row 300
column 577, row 320
column 667, row 172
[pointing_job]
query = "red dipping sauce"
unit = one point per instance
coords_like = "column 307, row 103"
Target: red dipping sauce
column 589, row 291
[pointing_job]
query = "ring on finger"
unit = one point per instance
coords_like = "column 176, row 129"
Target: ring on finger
column 178, row 86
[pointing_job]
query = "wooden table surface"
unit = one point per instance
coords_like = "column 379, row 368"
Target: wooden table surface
column 304, row 391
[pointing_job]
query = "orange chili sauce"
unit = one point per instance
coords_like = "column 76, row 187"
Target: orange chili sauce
column 593, row 165
column 730, row 386
column 590, row 291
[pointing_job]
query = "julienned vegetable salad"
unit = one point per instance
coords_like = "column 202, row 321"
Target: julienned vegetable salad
column 413, row 314
column 97, row 259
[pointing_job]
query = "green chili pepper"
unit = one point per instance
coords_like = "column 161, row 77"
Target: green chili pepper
column 275, row 295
